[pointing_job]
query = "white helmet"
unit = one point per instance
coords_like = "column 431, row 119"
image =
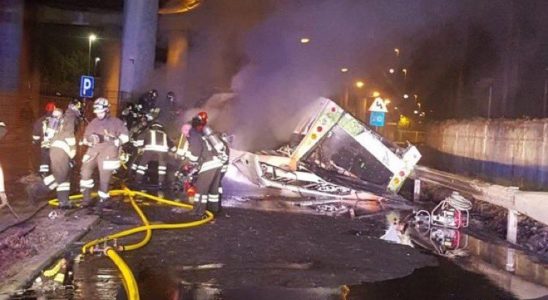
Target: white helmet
column 100, row 105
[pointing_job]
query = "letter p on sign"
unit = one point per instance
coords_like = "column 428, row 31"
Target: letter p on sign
column 87, row 83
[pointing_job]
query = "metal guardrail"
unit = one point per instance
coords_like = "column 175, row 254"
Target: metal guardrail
column 531, row 204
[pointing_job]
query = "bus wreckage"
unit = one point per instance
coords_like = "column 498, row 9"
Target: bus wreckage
column 332, row 156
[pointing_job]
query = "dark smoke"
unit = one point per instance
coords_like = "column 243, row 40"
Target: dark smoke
column 252, row 48
column 284, row 75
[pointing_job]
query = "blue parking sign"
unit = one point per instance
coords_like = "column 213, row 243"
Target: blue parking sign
column 87, row 84
column 376, row 118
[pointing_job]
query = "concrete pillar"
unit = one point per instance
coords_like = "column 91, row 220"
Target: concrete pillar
column 138, row 45
column 110, row 68
column 11, row 35
column 177, row 56
column 512, row 237
column 512, row 229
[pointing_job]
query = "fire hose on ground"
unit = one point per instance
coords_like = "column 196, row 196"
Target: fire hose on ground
column 92, row 247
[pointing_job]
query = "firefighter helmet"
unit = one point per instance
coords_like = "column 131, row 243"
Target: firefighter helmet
column 200, row 120
column 203, row 117
column 100, row 105
column 57, row 113
column 50, row 106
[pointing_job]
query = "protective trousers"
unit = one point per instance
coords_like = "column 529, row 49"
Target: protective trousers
column 45, row 162
column 60, row 165
column 224, row 168
column 207, row 191
column 105, row 158
column 144, row 161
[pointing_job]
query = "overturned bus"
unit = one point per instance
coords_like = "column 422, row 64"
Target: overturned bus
column 332, row 155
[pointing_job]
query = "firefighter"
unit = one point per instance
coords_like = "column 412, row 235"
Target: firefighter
column 178, row 161
column 132, row 114
column 155, row 147
column 42, row 132
column 148, row 104
column 62, row 151
column 104, row 135
column 204, row 151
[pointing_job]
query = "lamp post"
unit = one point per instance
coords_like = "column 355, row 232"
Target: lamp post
column 92, row 37
column 97, row 60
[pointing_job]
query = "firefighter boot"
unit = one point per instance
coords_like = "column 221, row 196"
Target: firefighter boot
column 213, row 203
column 64, row 202
column 88, row 201
column 199, row 205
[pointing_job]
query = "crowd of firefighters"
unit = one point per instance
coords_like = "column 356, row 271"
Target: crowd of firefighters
column 131, row 147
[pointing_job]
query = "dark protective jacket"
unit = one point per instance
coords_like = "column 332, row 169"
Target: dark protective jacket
column 41, row 133
column 153, row 139
column 110, row 130
column 64, row 138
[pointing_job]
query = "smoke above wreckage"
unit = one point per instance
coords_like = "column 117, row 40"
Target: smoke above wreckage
column 254, row 50
column 284, row 75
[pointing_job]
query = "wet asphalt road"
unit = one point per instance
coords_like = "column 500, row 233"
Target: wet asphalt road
column 250, row 254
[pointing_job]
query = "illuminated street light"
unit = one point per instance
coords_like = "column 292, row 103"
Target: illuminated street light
column 376, row 94
column 405, row 96
column 387, row 101
column 97, row 60
column 391, row 71
column 415, row 112
column 395, row 107
column 359, row 84
column 344, row 70
column 305, row 40
column 404, row 73
column 397, row 51
column 92, row 37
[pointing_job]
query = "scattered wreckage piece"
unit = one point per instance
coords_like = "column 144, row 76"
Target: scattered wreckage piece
column 272, row 171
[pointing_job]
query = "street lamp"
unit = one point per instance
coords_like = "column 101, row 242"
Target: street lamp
column 405, row 96
column 404, row 73
column 359, row 84
column 97, row 60
column 376, row 94
column 344, row 70
column 397, row 51
column 391, row 71
column 305, row 40
column 92, row 37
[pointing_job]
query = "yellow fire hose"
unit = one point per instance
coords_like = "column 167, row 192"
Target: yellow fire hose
column 129, row 282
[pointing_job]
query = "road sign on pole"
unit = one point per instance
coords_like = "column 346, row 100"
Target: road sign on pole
column 378, row 105
column 87, row 84
column 376, row 118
